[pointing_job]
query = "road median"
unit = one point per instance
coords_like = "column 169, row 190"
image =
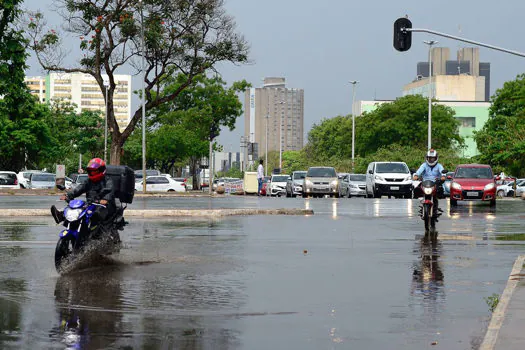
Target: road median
column 153, row 213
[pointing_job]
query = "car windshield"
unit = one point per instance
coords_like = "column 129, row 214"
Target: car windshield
column 321, row 172
column 43, row 177
column 280, row 178
column 392, row 168
column 473, row 173
column 81, row 179
column 299, row 175
column 360, row 177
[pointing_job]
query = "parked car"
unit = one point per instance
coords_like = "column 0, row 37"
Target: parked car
column 473, row 182
column 9, row 179
column 321, row 181
column 149, row 172
column 388, row 178
column 355, row 185
column 23, row 177
column 507, row 189
column 161, row 184
column 278, row 185
column 79, row 179
column 446, row 184
column 41, row 181
column 294, row 186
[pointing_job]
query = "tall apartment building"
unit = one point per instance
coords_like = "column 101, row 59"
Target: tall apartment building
column 462, row 79
column 83, row 90
column 276, row 111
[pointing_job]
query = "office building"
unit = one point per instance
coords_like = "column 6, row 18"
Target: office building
column 276, row 111
column 463, row 79
column 84, row 91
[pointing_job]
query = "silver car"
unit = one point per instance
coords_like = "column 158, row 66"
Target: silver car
column 41, row 181
column 294, row 185
column 321, row 181
column 353, row 185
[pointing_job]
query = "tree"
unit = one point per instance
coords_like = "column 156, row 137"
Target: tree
column 501, row 141
column 23, row 131
column 405, row 122
column 181, row 36
column 331, row 138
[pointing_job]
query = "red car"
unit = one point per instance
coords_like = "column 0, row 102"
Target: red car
column 473, row 182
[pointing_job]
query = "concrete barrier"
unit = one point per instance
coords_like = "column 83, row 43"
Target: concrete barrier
column 153, row 213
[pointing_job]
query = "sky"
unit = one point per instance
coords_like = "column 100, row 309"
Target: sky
column 320, row 46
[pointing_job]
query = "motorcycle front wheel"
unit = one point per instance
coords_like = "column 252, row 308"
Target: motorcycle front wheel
column 430, row 221
column 63, row 251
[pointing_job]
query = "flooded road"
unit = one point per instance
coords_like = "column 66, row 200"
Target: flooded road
column 356, row 274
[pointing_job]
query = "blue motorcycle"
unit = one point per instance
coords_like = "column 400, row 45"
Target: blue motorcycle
column 81, row 231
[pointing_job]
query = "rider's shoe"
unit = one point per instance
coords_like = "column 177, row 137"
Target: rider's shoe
column 57, row 214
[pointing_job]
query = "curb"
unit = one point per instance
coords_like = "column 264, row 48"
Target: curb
column 153, row 213
column 498, row 315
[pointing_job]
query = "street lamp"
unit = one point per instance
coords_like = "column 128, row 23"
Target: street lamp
column 354, row 83
column 143, row 97
column 281, row 138
column 106, row 86
column 266, row 146
column 430, row 43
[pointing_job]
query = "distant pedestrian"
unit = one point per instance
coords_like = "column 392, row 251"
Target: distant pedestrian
column 260, row 176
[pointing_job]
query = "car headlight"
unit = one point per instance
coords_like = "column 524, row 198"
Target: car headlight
column 488, row 187
column 428, row 190
column 72, row 214
column 456, row 186
column 408, row 178
column 334, row 183
column 380, row 178
column 354, row 186
column 308, row 183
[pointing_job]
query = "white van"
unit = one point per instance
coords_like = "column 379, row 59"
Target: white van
column 388, row 179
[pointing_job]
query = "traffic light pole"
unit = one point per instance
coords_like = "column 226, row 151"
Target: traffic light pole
column 464, row 40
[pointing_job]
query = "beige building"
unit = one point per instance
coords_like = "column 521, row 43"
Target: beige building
column 449, row 88
column 273, row 114
column 83, row 90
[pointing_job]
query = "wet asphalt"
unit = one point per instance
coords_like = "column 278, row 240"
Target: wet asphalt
column 356, row 274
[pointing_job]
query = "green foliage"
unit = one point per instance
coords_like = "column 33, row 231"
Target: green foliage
column 405, row 122
column 492, row 301
column 501, row 142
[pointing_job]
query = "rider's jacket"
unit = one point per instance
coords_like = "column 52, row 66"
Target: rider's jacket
column 92, row 191
column 427, row 172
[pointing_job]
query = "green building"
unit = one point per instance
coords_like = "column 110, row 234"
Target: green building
column 472, row 116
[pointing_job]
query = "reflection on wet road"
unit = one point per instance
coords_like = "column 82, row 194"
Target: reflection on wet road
column 356, row 274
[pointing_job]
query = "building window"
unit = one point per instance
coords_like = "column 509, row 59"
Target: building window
column 467, row 122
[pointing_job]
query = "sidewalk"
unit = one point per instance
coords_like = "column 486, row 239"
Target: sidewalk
column 506, row 330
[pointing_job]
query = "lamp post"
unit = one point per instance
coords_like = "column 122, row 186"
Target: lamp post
column 143, row 48
column 266, row 147
column 281, row 138
column 430, row 43
column 106, row 86
column 354, row 83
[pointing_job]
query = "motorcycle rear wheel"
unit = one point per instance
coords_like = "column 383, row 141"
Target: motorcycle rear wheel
column 430, row 221
column 63, row 251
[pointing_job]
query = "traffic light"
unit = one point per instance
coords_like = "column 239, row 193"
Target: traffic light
column 402, row 37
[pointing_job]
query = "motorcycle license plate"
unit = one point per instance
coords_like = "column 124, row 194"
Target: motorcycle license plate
column 394, row 188
column 472, row 194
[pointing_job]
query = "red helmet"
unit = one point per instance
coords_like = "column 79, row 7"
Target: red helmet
column 96, row 169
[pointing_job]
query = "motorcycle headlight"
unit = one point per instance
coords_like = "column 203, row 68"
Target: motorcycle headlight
column 489, row 187
column 428, row 190
column 380, row 178
column 456, row 186
column 72, row 214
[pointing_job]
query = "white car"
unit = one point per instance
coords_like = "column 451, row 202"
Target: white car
column 507, row 190
column 8, row 179
column 161, row 184
column 24, row 175
column 278, row 185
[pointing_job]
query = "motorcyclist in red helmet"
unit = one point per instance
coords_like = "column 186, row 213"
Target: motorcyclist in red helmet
column 98, row 188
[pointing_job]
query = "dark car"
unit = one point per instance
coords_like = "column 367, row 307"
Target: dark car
column 473, row 182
